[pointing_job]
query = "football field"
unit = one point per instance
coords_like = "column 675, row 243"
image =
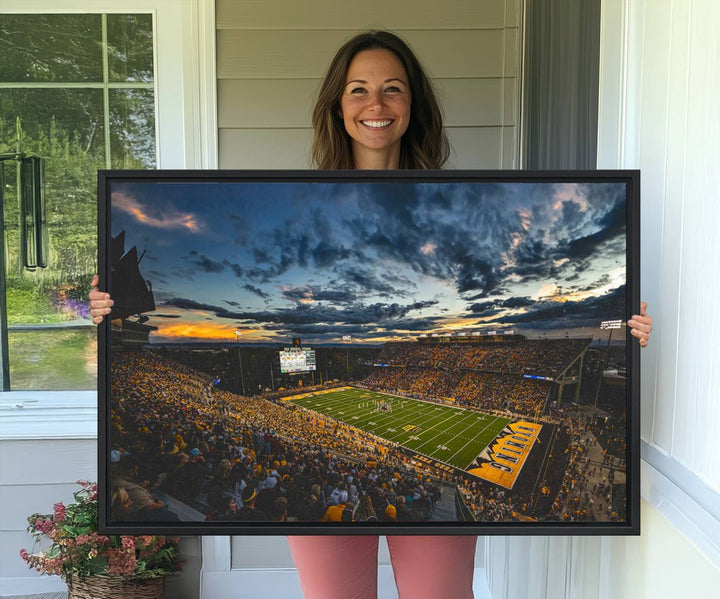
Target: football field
column 450, row 435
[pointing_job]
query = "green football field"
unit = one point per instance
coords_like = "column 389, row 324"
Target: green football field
column 450, row 435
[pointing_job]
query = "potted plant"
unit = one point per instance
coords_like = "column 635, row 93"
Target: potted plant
column 95, row 565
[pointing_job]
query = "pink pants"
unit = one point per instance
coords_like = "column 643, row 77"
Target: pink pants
column 345, row 567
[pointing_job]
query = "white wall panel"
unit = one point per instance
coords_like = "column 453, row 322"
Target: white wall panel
column 253, row 551
column 475, row 147
column 51, row 461
column 697, row 424
column 265, row 148
column 345, row 14
column 288, row 103
column 652, row 117
column 273, row 53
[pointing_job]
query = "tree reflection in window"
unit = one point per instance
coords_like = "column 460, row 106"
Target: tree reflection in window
column 81, row 87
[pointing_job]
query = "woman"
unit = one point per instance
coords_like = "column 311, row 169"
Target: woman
column 377, row 110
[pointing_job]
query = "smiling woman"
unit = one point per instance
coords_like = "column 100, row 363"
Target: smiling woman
column 375, row 108
column 389, row 82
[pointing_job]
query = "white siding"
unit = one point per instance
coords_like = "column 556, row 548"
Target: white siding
column 271, row 58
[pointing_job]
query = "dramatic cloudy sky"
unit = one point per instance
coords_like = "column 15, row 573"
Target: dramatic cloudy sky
column 375, row 261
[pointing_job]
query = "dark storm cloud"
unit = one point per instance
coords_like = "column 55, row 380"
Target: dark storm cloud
column 482, row 307
column 479, row 238
column 235, row 268
column 309, row 241
column 311, row 313
column 454, row 232
column 611, row 226
column 491, row 308
column 325, row 254
column 589, row 312
column 367, row 281
column 517, row 302
column 318, row 294
column 601, row 282
column 334, row 331
column 166, row 315
column 256, row 290
column 205, row 263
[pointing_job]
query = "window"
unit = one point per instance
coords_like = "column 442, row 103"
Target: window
column 78, row 91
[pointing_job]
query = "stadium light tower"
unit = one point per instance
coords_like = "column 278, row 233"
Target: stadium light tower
column 606, row 325
column 242, row 378
column 346, row 340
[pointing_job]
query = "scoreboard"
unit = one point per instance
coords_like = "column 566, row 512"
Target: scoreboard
column 296, row 360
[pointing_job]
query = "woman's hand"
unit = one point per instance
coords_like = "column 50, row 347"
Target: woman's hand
column 100, row 302
column 641, row 325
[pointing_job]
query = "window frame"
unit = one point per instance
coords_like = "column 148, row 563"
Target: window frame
column 186, row 137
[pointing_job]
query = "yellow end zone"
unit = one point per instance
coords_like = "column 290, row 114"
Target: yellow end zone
column 503, row 459
column 322, row 392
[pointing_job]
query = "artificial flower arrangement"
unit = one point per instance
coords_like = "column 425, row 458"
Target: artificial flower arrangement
column 78, row 552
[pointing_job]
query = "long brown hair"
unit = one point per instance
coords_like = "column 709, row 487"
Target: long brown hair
column 424, row 144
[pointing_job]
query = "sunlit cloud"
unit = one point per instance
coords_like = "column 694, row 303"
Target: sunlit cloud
column 428, row 248
column 205, row 331
column 170, row 218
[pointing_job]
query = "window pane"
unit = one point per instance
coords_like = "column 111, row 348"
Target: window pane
column 50, row 48
column 51, row 338
column 130, row 47
column 54, row 359
column 132, row 128
column 65, row 128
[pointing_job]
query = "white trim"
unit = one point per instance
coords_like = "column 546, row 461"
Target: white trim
column 217, row 553
column 204, row 81
column 521, row 154
column 48, row 415
column 676, row 492
column 32, row 586
column 284, row 582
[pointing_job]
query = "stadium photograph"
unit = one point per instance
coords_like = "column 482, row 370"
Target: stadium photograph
column 368, row 353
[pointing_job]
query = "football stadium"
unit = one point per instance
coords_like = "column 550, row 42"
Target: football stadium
column 492, row 428
column 375, row 352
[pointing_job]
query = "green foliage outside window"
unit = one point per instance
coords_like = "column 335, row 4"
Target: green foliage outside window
column 82, row 105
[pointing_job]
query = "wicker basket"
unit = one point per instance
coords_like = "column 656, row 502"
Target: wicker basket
column 116, row 587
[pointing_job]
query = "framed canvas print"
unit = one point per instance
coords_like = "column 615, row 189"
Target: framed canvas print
column 312, row 352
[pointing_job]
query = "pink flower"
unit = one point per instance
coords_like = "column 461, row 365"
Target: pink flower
column 59, row 512
column 24, row 555
column 44, row 526
column 121, row 562
column 128, row 543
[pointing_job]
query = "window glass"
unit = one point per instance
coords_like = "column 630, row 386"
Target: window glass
column 56, row 103
column 132, row 128
column 130, row 43
column 36, row 48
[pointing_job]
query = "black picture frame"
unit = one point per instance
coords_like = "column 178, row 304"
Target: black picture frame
column 441, row 279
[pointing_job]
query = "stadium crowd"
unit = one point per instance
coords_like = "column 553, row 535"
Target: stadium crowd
column 544, row 357
column 175, row 433
column 244, row 458
column 470, row 389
